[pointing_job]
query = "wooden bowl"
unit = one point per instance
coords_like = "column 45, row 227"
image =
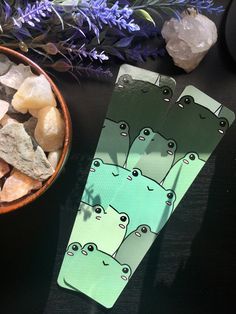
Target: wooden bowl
column 19, row 58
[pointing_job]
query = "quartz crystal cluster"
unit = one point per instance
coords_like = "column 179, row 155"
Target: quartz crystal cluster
column 189, row 39
column 32, row 131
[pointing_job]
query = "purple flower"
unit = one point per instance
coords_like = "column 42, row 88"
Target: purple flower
column 81, row 52
column 98, row 13
column 33, row 13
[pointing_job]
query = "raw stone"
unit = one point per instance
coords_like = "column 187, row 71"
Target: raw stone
column 34, row 93
column 30, row 126
column 17, row 186
column 17, row 149
column 188, row 39
column 5, row 64
column 4, row 105
column 16, row 75
column 54, row 157
column 50, row 129
column 4, row 168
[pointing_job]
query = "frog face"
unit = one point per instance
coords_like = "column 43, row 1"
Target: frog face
column 109, row 217
column 73, row 249
column 97, row 165
column 182, row 174
column 124, row 220
column 72, row 252
column 223, row 125
column 98, row 212
column 104, row 263
column 170, row 198
column 125, row 272
column 142, row 231
column 190, row 159
column 123, row 128
column 120, row 128
column 135, row 246
column 145, row 134
column 167, row 93
column 187, row 103
column 159, row 144
column 140, row 181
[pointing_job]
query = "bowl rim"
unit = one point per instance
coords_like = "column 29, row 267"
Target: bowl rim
column 14, row 205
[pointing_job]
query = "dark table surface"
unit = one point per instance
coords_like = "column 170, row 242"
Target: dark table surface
column 190, row 269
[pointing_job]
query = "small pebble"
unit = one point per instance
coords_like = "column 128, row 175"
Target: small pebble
column 7, row 120
column 54, row 157
column 30, row 126
column 5, row 64
column 34, row 93
column 50, row 129
column 4, row 168
column 18, row 185
column 3, row 108
column 16, row 75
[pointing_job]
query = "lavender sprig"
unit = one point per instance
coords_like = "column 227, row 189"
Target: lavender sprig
column 33, row 14
column 99, row 13
column 81, row 52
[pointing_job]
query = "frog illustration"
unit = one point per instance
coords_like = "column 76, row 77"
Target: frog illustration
column 194, row 127
column 71, row 252
column 152, row 154
column 103, row 182
column 135, row 246
column 140, row 104
column 145, row 201
column 182, row 175
column 105, row 227
column 97, row 275
column 113, row 144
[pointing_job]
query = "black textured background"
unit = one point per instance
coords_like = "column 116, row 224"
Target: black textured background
column 191, row 268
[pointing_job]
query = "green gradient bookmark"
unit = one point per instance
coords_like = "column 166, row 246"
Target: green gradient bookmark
column 148, row 155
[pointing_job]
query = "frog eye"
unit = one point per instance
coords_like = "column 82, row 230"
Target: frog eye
column 144, row 230
column 91, row 248
column 171, row 144
column 125, row 270
column 192, row 157
column 222, row 123
column 98, row 210
column 75, row 247
column 186, row 100
column 146, row 132
column 166, row 91
column 135, row 173
column 123, row 126
column 96, row 163
column 123, row 218
column 170, row 195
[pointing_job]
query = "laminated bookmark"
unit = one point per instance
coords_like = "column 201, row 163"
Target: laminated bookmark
column 148, row 155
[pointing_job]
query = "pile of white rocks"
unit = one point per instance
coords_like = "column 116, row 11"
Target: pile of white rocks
column 32, row 130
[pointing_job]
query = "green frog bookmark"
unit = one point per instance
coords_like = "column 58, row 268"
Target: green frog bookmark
column 149, row 153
